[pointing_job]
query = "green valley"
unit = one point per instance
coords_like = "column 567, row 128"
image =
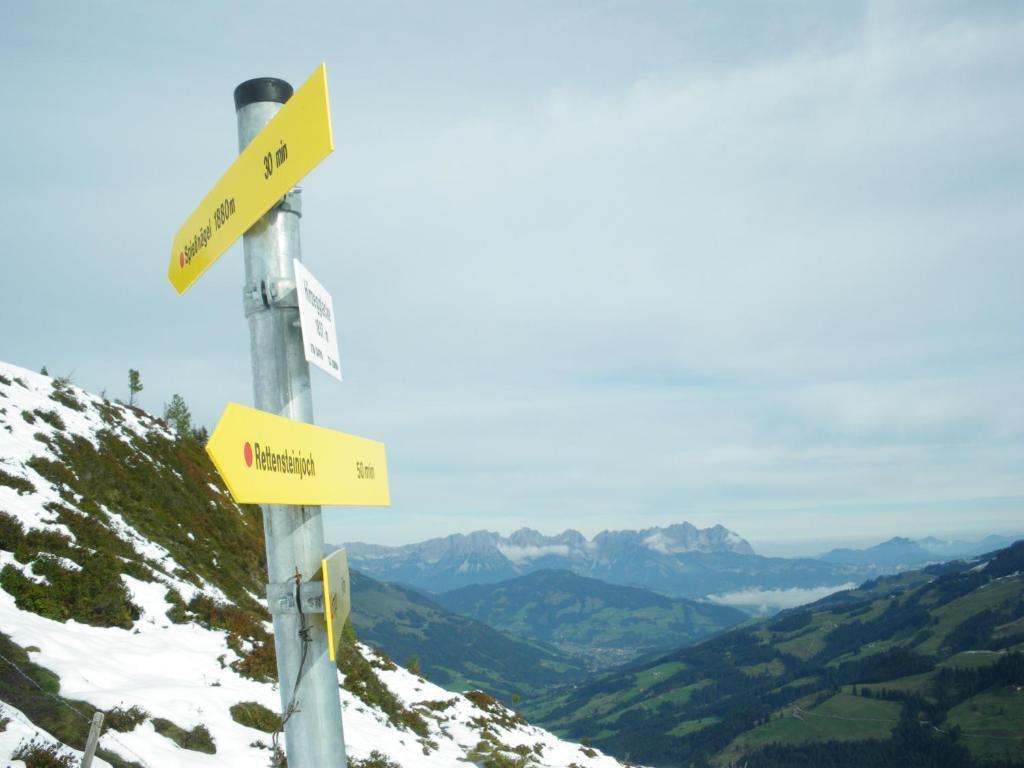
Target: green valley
column 451, row 650
column 925, row 668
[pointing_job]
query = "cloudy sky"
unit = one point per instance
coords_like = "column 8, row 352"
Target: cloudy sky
column 595, row 265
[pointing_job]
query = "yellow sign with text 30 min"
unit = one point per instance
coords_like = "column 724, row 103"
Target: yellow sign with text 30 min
column 288, row 147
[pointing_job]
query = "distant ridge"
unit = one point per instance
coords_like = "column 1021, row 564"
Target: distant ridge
column 485, row 557
column 903, row 552
column 680, row 560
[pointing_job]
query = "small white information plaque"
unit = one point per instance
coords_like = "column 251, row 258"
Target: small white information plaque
column 316, row 314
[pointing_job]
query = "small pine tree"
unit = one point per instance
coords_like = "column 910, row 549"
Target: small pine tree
column 134, row 385
column 176, row 414
column 413, row 665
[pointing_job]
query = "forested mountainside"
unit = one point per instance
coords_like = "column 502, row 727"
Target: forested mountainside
column 920, row 669
column 131, row 583
column 453, row 650
column 606, row 624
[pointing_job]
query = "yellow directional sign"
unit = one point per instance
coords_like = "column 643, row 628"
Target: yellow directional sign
column 267, row 459
column 289, row 147
column 337, row 597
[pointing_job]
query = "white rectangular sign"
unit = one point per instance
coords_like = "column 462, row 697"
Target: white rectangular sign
column 316, row 314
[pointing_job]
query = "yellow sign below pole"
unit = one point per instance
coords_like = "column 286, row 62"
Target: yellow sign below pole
column 290, row 146
column 337, row 597
column 267, row 459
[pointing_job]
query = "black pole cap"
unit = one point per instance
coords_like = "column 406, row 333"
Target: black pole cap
column 262, row 89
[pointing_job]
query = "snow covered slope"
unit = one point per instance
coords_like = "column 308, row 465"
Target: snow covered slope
column 129, row 583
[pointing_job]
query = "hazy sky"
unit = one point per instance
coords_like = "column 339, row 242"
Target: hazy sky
column 599, row 265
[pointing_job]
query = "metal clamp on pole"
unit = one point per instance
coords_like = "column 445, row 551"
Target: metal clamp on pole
column 281, row 597
column 292, row 202
column 273, row 293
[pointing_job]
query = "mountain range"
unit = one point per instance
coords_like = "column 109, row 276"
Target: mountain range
column 679, row 560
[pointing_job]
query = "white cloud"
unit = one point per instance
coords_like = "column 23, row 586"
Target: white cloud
column 522, row 554
column 770, row 600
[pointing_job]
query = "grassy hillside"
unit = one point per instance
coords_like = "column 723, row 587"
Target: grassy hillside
column 451, row 650
column 920, row 669
column 605, row 623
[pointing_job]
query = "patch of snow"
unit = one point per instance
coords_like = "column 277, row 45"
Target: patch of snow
column 63, row 562
column 7, row 558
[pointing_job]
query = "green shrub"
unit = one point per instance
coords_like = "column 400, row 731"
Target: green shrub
column 51, row 417
column 4, row 380
column 124, row 720
column 375, row 760
column 28, row 417
column 12, row 532
column 437, row 705
column 94, row 595
column 487, row 755
column 41, row 540
column 198, row 739
column 63, row 394
column 165, row 489
column 254, row 715
column 178, row 612
column 39, row 754
column 20, row 484
column 258, row 662
column 499, row 714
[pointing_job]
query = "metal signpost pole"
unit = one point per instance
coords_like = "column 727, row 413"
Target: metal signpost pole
column 307, row 678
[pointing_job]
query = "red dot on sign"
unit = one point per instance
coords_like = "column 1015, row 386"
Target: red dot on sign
column 181, row 259
column 248, row 455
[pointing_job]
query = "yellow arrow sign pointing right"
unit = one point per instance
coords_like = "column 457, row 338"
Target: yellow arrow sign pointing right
column 267, row 459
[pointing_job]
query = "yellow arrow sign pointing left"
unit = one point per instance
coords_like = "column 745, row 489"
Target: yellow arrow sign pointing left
column 267, row 459
column 289, row 146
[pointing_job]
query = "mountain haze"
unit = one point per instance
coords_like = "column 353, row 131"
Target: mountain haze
column 900, row 552
column 896, row 552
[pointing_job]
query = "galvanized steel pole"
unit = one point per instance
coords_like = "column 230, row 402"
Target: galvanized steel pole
column 280, row 373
